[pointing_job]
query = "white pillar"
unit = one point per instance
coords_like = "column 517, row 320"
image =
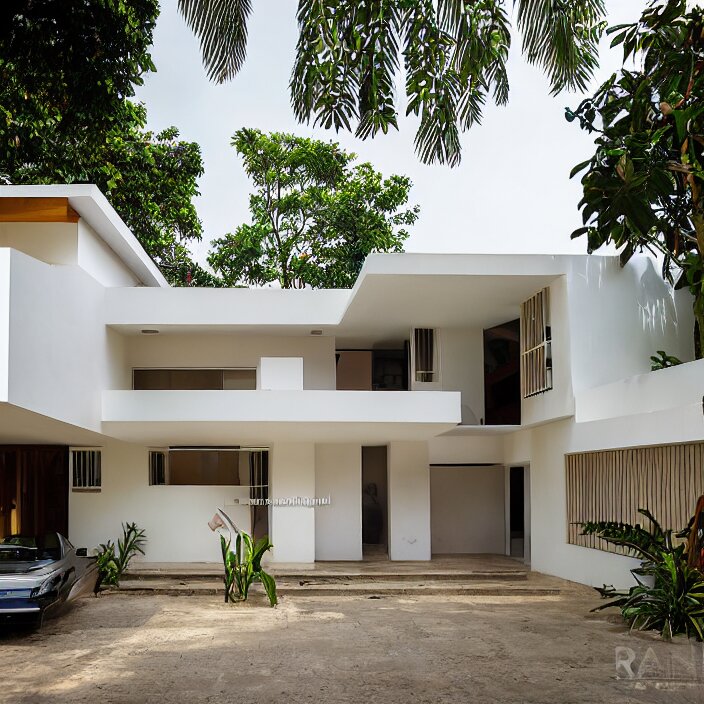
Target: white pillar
column 338, row 527
column 292, row 473
column 409, row 501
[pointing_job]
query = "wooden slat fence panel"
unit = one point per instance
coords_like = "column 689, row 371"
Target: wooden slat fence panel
column 611, row 485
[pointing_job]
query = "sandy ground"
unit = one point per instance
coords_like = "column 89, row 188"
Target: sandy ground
column 139, row 649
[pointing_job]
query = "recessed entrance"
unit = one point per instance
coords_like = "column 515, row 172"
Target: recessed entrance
column 33, row 489
column 374, row 502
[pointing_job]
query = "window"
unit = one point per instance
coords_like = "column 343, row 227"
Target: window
column 210, row 466
column 86, row 469
column 425, row 355
column 157, row 467
column 536, row 348
column 194, row 379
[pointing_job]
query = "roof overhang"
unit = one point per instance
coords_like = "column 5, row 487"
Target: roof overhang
column 93, row 207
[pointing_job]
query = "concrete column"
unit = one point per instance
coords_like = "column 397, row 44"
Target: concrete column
column 409, row 501
column 338, row 527
column 291, row 474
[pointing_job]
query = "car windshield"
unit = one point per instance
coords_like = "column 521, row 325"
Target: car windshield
column 29, row 548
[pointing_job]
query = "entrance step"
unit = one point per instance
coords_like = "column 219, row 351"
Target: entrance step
column 322, row 577
column 340, row 587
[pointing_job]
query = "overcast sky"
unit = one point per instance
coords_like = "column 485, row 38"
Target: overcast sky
column 510, row 194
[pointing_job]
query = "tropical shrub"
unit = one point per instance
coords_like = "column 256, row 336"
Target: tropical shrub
column 111, row 564
column 669, row 594
column 243, row 567
column 663, row 360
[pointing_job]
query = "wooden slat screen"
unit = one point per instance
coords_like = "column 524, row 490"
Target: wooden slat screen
column 536, row 357
column 611, row 485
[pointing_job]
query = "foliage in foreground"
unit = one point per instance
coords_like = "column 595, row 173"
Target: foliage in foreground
column 243, row 567
column 111, row 564
column 662, row 360
column 669, row 594
column 314, row 215
column 66, row 116
column 644, row 185
column 453, row 53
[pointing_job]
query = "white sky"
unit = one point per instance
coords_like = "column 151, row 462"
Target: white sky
column 510, row 194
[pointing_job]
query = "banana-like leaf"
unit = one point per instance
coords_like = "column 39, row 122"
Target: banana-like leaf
column 269, row 586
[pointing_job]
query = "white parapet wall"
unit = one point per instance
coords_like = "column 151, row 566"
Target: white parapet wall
column 409, row 501
column 292, row 475
column 338, row 527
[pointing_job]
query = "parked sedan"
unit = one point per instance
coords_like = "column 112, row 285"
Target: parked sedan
column 39, row 573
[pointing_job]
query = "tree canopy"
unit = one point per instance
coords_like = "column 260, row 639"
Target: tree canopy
column 350, row 54
column 315, row 215
column 644, row 186
column 66, row 79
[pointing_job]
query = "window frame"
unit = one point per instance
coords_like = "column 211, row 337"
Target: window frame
column 89, row 487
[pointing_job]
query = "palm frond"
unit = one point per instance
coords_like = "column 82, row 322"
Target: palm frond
column 221, row 27
column 562, row 37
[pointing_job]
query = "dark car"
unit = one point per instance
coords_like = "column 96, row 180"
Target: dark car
column 39, row 573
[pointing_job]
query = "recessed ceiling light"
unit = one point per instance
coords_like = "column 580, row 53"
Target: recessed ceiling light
column 316, row 332
column 150, row 332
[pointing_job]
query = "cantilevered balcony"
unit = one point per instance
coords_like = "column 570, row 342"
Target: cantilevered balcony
column 165, row 418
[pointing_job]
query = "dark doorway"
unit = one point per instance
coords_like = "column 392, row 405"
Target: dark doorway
column 517, row 519
column 375, row 529
column 33, row 489
column 502, row 376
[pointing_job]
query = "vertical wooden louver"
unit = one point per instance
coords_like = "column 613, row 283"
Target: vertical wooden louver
column 611, row 485
column 424, row 354
column 536, row 353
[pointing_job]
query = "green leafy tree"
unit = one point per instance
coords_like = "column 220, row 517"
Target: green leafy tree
column 454, row 54
column 66, row 76
column 314, row 214
column 644, row 185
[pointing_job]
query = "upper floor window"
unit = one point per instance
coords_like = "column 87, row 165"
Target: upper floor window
column 86, row 469
column 536, row 347
column 425, row 355
column 194, row 379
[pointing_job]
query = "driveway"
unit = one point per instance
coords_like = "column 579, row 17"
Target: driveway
column 163, row 649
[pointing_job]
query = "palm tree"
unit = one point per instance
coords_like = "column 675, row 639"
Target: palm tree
column 454, row 54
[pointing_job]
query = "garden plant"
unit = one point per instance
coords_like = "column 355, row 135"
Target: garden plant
column 669, row 592
column 111, row 564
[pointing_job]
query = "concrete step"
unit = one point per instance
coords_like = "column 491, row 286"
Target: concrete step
column 323, row 577
column 338, row 588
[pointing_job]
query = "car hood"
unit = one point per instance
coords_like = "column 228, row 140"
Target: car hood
column 20, row 575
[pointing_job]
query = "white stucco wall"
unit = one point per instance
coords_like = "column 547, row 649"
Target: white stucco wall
column 60, row 358
column 174, row 517
column 338, row 527
column 227, row 350
column 482, row 448
column 619, row 317
column 50, row 242
column 462, row 369
column 292, row 473
column 96, row 258
column 409, row 501
column 545, row 448
column 4, row 321
column 280, row 373
column 467, row 510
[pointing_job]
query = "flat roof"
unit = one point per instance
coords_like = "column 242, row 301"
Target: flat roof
column 89, row 202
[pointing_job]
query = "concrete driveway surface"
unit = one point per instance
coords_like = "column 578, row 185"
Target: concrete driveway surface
column 141, row 649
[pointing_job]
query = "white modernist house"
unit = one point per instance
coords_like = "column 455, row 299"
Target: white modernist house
column 445, row 404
